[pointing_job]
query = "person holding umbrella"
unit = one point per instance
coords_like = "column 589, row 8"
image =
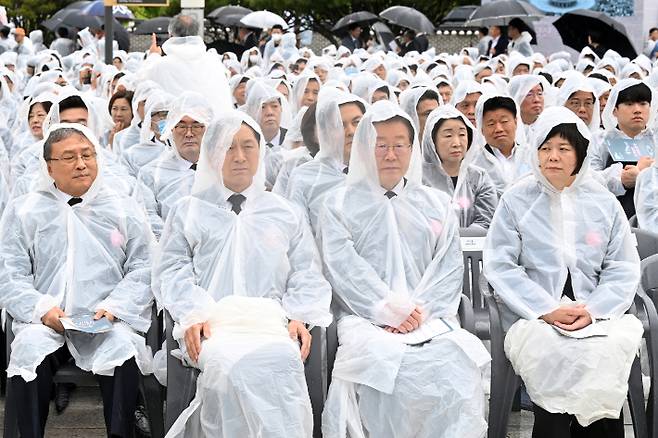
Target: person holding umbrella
column 595, row 42
column 519, row 37
column 498, row 43
column 352, row 41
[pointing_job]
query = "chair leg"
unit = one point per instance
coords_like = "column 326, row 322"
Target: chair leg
column 11, row 416
column 178, row 401
column 636, row 401
column 152, row 392
column 504, row 385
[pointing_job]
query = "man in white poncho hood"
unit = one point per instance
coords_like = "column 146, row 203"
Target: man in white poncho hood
column 74, row 246
column 240, row 274
column 392, row 255
column 561, row 257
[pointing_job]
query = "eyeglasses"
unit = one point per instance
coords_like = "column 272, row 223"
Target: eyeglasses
column 70, row 159
column 398, row 149
column 196, row 128
column 533, row 95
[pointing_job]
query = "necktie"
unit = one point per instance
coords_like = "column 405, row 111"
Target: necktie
column 270, row 145
column 389, row 194
column 345, row 170
column 193, row 167
column 74, row 201
column 236, row 201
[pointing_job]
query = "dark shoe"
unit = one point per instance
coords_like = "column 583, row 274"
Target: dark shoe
column 62, row 396
column 142, row 426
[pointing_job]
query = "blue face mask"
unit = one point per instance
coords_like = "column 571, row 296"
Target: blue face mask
column 161, row 126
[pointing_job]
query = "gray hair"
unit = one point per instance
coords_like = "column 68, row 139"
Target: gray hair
column 183, row 25
column 58, row 135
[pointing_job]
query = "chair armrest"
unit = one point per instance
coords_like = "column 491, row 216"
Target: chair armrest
column 466, row 314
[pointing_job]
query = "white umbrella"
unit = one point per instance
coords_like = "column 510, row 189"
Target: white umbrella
column 263, row 20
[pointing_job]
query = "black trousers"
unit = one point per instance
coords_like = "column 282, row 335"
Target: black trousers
column 32, row 399
column 549, row 425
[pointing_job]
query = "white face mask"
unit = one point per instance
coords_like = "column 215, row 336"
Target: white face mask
column 276, row 37
column 254, row 59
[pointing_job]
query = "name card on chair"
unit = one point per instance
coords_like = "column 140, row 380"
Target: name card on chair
column 472, row 244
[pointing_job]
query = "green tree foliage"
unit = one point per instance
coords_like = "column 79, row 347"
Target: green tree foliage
column 30, row 13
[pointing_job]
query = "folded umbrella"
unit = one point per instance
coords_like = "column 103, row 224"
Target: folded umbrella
column 575, row 26
column 410, row 18
column 354, row 18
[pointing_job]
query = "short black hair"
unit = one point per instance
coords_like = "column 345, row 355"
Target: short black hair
column 353, row 26
column 5, row 31
column 410, row 127
column 309, row 134
column 358, row 103
column 570, row 132
column 595, row 35
column 121, row 94
column 46, row 107
column 428, row 95
column 634, row 94
column 518, row 24
column 72, row 102
column 599, row 76
column 499, row 102
column 383, row 89
column 483, row 30
column 546, row 75
column 438, row 125
column 277, row 26
column 59, row 135
column 410, row 33
column 652, row 30
column 256, row 134
column 62, row 32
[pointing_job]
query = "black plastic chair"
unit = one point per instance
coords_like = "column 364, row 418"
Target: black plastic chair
column 181, row 380
column 505, row 382
column 152, row 391
column 471, row 240
column 647, row 242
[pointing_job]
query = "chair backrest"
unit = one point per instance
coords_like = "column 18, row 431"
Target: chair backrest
column 647, row 242
column 649, row 279
column 472, row 242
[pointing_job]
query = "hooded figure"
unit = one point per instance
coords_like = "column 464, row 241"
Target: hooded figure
column 162, row 182
column 392, row 255
column 76, row 247
column 473, row 194
column 126, row 138
column 646, row 198
column 418, row 103
column 627, row 145
column 241, row 262
column 560, row 255
column 310, row 182
column 149, row 147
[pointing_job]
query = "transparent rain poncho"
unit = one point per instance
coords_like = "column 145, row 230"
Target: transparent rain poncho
column 246, row 273
column 94, row 255
column 298, row 89
column 539, row 236
column 574, row 84
column 646, row 197
column 162, row 182
column 383, row 257
column 474, row 198
column 130, row 136
column 310, row 182
column 519, row 87
column 148, row 148
column 409, row 102
column 290, row 156
column 502, row 173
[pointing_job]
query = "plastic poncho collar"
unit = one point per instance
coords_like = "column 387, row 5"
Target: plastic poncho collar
column 609, row 120
column 363, row 167
column 574, row 84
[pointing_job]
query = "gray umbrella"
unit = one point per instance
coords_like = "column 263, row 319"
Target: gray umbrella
column 227, row 15
column 353, row 18
column 500, row 12
column 158, row 25
column 410, row 18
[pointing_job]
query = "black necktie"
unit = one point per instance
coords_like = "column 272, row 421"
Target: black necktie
column 74, row 201
column 236, row 201
column 345, row 170
column 389, row 194
column 193, row 167
column 270, row 145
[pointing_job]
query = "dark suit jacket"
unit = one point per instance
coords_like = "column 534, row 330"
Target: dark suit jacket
column 422, row 43
column 250, row 42
column 409, row 47
column 501, row 45
column 350, row 43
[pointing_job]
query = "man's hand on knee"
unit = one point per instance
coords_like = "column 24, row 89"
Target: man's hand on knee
column 193, row 339
column 51, row 319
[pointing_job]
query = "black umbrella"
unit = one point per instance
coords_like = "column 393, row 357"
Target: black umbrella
column 73, row 18
column 226, row 14
column 458, row 16
column 384, row 34
column 158, row 25
column 574, row 27
column 353, row 18
column 501, row 12
column 410, row 18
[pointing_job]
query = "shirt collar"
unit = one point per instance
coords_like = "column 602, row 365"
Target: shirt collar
column 65, row 197
column 249, row 193
column 276, row 139
column 397, row 189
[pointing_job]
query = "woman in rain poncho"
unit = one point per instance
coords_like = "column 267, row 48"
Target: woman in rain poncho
column 311, row 181
column 560, row 254
column 392, row 255
column 447, row 167
column 150, row 147
column 85, row 257
column 242, row 262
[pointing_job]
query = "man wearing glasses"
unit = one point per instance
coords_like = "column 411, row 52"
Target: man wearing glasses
column 75, row 247
column 164, row 181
